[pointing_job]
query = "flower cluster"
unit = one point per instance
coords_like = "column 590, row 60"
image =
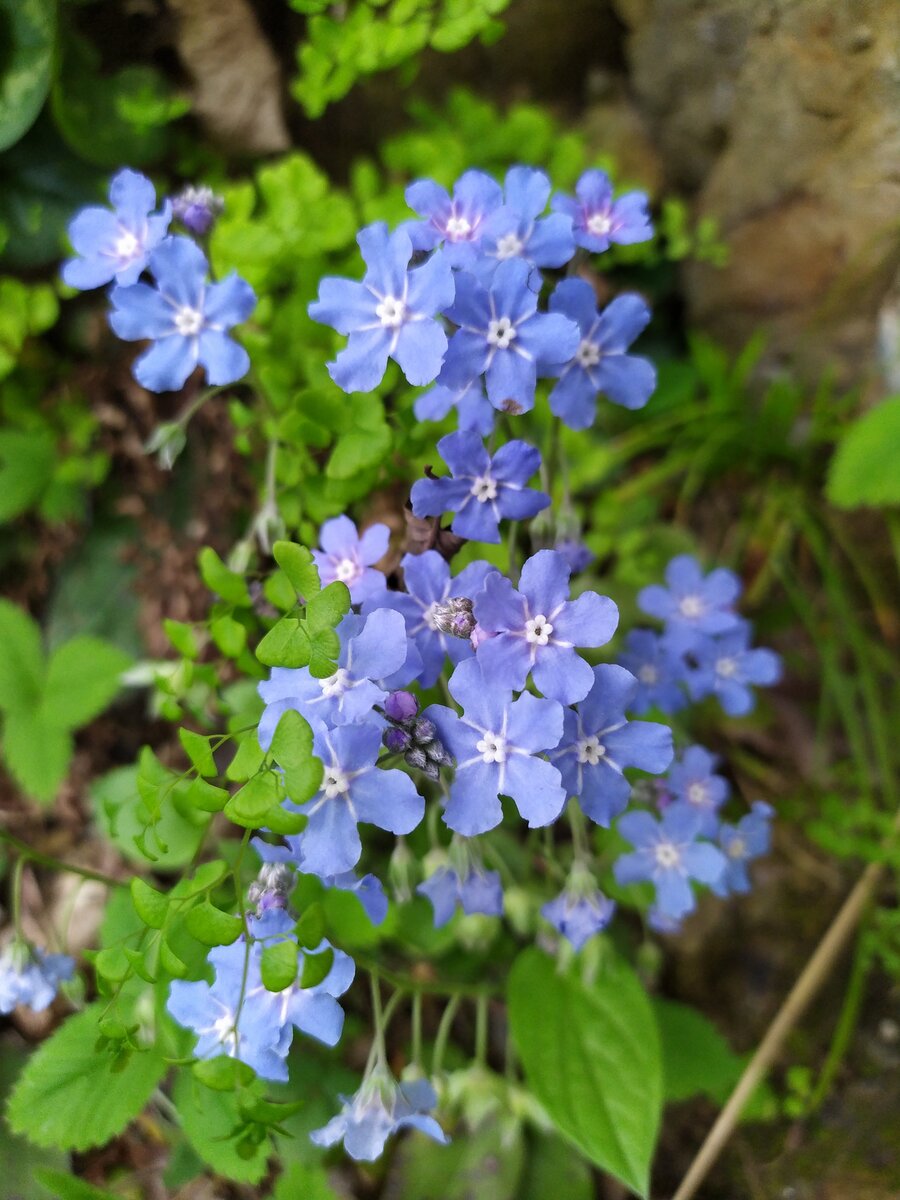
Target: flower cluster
column 31, row 976
column 182, row 313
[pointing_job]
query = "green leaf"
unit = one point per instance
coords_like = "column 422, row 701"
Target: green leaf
column 213, row 927
column 27, row 463
column 182, row 637
column 196, row 747
column 864, row 468
column 29, row 33
column 310, row 929
column 22, row 1161
column 298, row 564
column 206, row 796
column 553, row 1170
column 224, row 582
column 149, row 904
column 229, row 635
column 223, row 1074
column 83, row 676
column 316, row 967
column 114, row 798
column 292, row 749
column 279, row 820
column 73, row 1095
column 323, row 653
column 37, row 753
column 68, row 1187
column 279, row 965
column 285, row 645
column 592, row 1058
column 209, row 1119
column 327, row 608
column 249, row 806
column 22, row 660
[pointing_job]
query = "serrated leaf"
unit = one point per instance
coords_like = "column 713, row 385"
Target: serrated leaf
column 299, row 566
column 285, row 645
column 221, row 580
column 279, row 965
column 316, row 967
column 327, row 608
column 248, row 806
column 22, row 660
column 83, row 676
column 292, row 749
column 213, row 927
column 209, row 1119
column 149, row 904
column 864, row 468
column 591, row 1056
column 70, row 1096
column 197, row 748
column 223, row 1074
column 37, row 753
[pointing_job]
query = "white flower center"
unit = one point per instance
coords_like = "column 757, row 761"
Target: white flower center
column 509, row 246
column 691, row 607
column 588, row 354
column 336, row 684
column 599, row 223
column 667, row 855
column 726, row 667
column 501, row 333
column 492, row 748
column 224, row 1030
column 648, row 674
column 346, row 570
column 737, row 848
column 188, row 321
column 484, row 488
column 458, row 227
column 334, row 783
column 538, row 630
column 127, row 245
column 429, row 614
column 590, row 751
column 391, row 312
column 698, row 794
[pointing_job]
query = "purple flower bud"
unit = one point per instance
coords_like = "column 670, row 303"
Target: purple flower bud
column 197, row 208
column 396, row 740
column 454, row 617
column 424, row 731
column 401, row 706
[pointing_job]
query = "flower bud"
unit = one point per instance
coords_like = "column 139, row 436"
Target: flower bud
column 396, row 740
column 416, row 758
column 401, row 706
column 197, row 208
column 454, row 617
column 424, row 731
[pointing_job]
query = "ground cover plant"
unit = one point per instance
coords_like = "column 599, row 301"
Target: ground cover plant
column 387, row 806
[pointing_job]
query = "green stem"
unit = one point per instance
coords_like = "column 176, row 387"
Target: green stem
column 443, row 1033
column 405, row 983
column 417, row 1029
column 25, row 852
column 481, row 1030
column 843, row 1033
column 16, row 898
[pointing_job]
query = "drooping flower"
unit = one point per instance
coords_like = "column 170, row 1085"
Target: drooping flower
column 502, row 336
column 348, row 556
column 658, row 669
column 389, row 315
column 478, row 891
column 598, row 220
column 579, row 914
column 382, row 1106
column 496, row 744
column 693, row 780
column 729, row 668
column 598, row 743
column 537, row 629
column 741, row 843
column 116, row 245
column 601, row 362
column 517, row 230
column 31, row 976
column 482, row 490
column 692, row 604
column 668, row 854
column 456, row 223
column 185, row 317
column 474, row 410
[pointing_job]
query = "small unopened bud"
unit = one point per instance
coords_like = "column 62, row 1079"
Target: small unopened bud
column 272, row 887
column 424, row 731
column 454, row 617
column 197, row 208
column 401, row 706
column 396, row 740
column 436, row 753
column 416, row 758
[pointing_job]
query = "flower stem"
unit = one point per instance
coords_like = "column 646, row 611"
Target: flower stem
column 443, row 1033
column 25, row 852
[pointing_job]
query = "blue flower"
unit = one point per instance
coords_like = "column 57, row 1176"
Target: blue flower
column 380, row 1107
column 502, row 336
column 727, row 667
column 693, row 780
column 353, row 789
column 598, row 220
column 31, row 976
column 479, row 891
column 473, row 408
column 389, row 315
column 516, row 230
column 537, row 629
column 749, row 839
column 659, row 670
column 495, row 744
column 600, row 362
column 116, row 245
column 668, row 854
column 483, row 490
column 348, row 556
column 455, row 222
column 598, row 743
column 578, row 915
column 185, row 317
column 373, row 648
column 575, row 552
column 692, row 604
column 428, row 584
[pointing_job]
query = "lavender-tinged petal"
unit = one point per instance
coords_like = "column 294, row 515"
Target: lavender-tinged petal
column 343, row 304
column 387, row 799
column 229, row 302
column 224, row 360
column 574, row 399
column 420, row 350
column 434, row 497
column 139, row 311
column 590, row 620
column 561, row 674
column 180, row 268
column 331, row 842
column 511, row 381
column 474, row 806
column 626, row 379
column 165, row 367
column 360, row 366
column 536, row 788
column 386, row 256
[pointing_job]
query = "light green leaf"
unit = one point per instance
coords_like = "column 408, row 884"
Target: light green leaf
column 279, row 965
column 224, row 582
column 29, row 33
column 229, row 635
column 316, row 967
column 285, row 645
column 213, row 927
column 37, row 753
column 182, row 636
column 209, row 1119
column 864, row 469
column 67, row 1187
column 74, row 1095
column 302, row 1179
column 22, row 660
column 27, row 462
column 196, row 747
column 592, row 1058
column 327, row 608
column 206, row 796
column 223, row 1074
column 149, row 904
column 292, row 749
column 249, row 806
column 114, row 797
column 298, row 564
column 83, row 676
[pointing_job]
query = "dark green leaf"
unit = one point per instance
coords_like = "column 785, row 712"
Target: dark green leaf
column 22, row 660
column 27, row 462
column 279, row 965
column 209, row 1119
column 29, row 33
column 316, row 967
column 310, row 929
column 327, row 608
